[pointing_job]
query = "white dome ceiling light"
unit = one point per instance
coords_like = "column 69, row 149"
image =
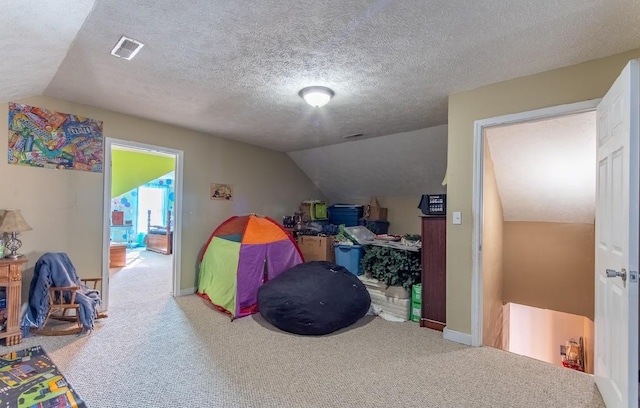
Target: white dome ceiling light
column 316, row 96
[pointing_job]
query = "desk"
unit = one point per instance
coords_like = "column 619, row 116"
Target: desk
column 127, row 229
column 11, row 282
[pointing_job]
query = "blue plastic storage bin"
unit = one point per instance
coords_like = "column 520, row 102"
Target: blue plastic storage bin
column 347, row 214
column 349, row 257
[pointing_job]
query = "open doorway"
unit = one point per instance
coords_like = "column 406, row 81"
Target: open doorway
column 141, row 211
column 537, row 234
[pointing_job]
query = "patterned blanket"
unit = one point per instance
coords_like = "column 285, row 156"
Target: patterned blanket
column 56, row 269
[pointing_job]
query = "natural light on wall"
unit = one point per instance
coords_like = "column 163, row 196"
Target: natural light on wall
column 545, row 170
column 154, row 199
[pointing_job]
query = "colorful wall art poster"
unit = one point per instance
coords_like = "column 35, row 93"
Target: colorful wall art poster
column 43, row 138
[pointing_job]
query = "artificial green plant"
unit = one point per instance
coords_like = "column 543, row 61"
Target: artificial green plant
column 394, row 267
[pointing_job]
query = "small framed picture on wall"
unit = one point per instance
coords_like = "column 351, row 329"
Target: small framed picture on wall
column 221, row 191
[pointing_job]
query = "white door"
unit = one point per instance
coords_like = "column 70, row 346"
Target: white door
column 617, row 213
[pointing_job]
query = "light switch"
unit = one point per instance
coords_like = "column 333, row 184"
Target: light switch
column 457, row 217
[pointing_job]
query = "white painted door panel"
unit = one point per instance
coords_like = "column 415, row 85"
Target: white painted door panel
column 617, row 229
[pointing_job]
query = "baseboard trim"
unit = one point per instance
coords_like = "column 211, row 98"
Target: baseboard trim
column 458, row 337
column 187, row 291
column 430, row 324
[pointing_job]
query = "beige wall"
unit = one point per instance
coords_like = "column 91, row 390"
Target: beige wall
column 589, row 339
column 492, row 249
column 403, row 213
column 576, row 83
column 550, row 265
column 65, row 207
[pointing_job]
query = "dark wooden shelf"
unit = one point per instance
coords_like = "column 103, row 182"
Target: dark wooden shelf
column 434, row 272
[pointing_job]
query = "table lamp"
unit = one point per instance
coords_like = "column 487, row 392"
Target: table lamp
column 12, row 223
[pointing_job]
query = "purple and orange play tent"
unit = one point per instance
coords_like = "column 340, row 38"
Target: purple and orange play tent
column 241, row 254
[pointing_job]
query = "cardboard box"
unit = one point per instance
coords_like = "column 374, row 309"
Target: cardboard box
column 305, row 209
column 374, row 212
column 377, row 214
column 316, row 248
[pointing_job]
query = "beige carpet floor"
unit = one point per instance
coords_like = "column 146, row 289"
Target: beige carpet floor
column 157, row 351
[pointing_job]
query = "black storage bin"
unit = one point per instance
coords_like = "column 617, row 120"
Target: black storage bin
column 377, row 227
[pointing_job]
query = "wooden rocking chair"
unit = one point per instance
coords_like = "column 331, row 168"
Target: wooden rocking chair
column 62, row 300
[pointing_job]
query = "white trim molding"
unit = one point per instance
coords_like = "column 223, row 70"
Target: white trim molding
column 456, row 336
column 187, row 291
column 477, row 201
column 177, row 219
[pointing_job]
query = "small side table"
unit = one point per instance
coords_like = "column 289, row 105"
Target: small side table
column 127, row 229
column 117, row 255
column 11, row 282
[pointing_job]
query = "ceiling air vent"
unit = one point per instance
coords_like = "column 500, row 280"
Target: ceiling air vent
column 126, row 48
column 353, row 136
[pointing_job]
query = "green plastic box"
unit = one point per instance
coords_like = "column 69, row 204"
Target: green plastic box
column 416, row 312
column 416, row 293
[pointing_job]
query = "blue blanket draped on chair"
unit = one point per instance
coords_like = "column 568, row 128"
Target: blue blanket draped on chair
column 56, row 269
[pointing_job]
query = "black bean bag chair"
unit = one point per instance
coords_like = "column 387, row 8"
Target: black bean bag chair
column 313, row 298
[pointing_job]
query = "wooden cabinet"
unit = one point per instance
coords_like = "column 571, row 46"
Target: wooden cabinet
column 434, row 272
column 11, row 285
column 117, row 255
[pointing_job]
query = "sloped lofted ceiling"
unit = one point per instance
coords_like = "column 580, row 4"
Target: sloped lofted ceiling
column 34, row 39
column 546, row 170
column 398, row 165
column 132, row 168
column 234, row 69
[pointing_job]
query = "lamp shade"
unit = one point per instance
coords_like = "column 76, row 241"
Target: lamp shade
column 316, row 96
column 13, row 222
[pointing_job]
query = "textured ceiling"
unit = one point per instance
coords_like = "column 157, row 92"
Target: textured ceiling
column 398, row 165
column 34, row 39
column 546, row 170
column 234, row 69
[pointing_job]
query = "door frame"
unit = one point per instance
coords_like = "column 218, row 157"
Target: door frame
column 477, row 282
column 177, row 213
